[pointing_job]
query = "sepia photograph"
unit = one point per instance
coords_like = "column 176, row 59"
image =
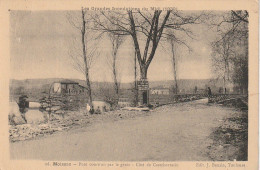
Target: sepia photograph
column 130, row 87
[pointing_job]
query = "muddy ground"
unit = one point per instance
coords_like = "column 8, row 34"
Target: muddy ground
column 190, row 131
column 70, row 120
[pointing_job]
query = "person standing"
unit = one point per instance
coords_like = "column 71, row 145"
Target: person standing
column 209, row 95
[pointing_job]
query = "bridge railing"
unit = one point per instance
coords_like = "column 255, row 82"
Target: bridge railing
column 186, row 97
column 176, row 98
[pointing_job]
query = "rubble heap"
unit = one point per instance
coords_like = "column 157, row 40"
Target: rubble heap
column 60, row 103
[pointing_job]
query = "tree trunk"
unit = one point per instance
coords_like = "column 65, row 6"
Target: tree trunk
column 116, row 84
column 83, row 32
column 155, row 34
column 143, row 71
column 225, row 77
column 174, row 66
column 176, row 83
column 89, row 89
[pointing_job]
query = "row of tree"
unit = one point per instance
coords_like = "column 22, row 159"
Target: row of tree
column 230, row 50
column 149, row 29
column 146, row 29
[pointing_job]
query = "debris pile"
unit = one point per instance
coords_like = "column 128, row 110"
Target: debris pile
column 60, row 103
column 230, row 140
column 72, row 119
column 28, row 131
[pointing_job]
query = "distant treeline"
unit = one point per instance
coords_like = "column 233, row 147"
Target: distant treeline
column 38, row 88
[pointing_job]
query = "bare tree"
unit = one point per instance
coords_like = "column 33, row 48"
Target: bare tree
column 134, row 85
column 116, row 41
column 222, row 53
column 82, row 60
column 174, row 43
column 230, row 50
column 171, row 41
column 108, row 96
column 147, row 27
column 240, row 41
column 232, row 23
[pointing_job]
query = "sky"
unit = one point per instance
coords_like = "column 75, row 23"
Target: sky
column 41, row 42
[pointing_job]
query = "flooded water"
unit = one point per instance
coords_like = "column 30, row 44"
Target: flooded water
column 31, row 115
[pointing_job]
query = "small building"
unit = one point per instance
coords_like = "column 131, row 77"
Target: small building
column 160, row 91
column 68, row 87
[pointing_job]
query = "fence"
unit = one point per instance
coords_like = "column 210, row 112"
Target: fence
column 215, row 98
column 177, row 98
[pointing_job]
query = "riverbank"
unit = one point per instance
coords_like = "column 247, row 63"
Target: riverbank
column 62, row 121
column 67, row 121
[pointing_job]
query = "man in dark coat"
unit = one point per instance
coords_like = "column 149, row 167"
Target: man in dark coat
column 209, row 94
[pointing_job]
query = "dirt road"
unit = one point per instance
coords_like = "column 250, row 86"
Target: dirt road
column 170, row 133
